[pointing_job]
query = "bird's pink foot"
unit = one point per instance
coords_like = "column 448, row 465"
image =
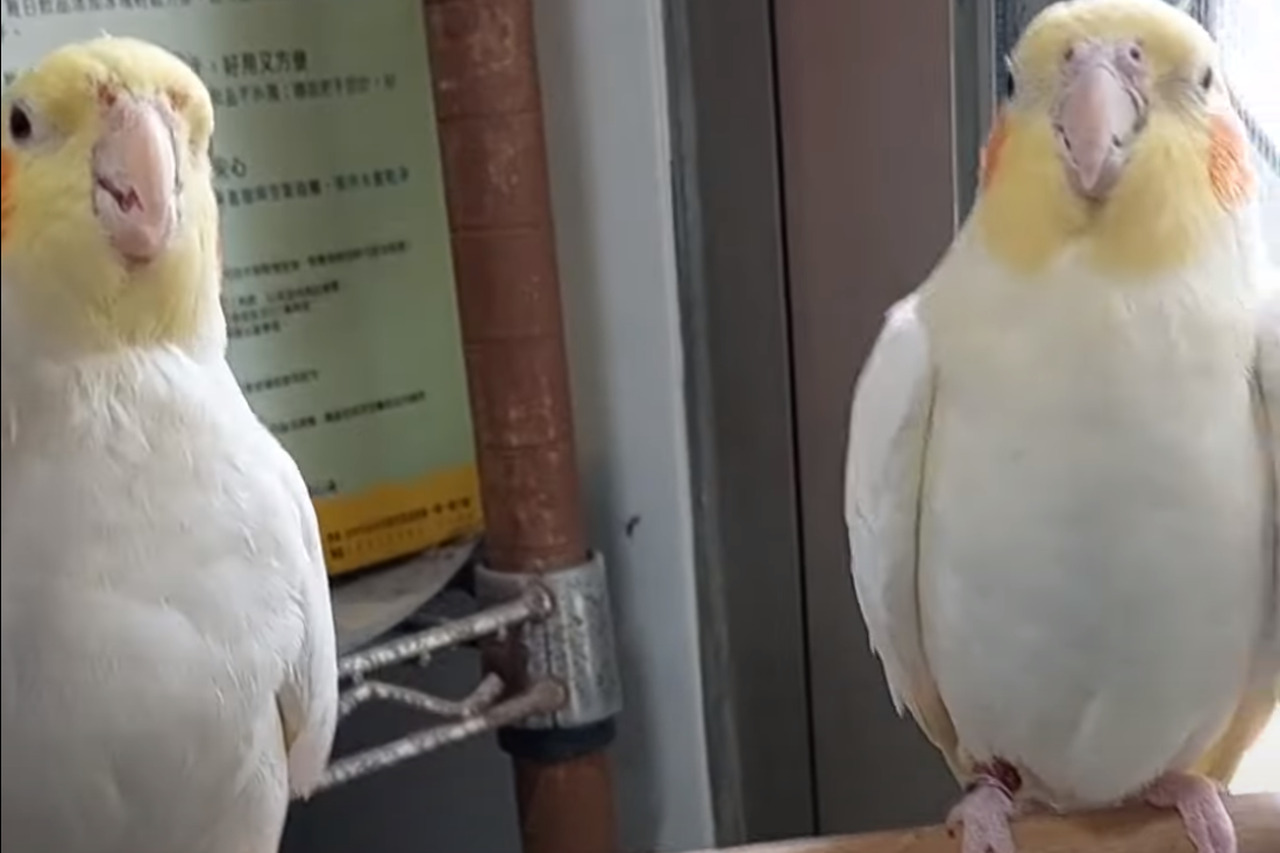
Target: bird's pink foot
column 1199, row 802
column 981, row 818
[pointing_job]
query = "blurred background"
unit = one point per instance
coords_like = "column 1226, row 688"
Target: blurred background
column 739, row 189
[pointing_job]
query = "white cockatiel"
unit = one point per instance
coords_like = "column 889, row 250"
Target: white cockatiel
column 1063, row 446
column 169, row 672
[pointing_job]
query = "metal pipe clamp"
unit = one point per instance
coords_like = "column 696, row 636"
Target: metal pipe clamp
column 573, row 645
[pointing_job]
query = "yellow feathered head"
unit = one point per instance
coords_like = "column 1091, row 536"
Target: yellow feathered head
column 110, row 227
column 1118, row 139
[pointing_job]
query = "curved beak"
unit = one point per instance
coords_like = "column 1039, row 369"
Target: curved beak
column 135, row 179
column 1098, row 116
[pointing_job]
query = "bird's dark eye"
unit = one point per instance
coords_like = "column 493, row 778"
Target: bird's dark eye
column 19, row 125
column 1206, row 79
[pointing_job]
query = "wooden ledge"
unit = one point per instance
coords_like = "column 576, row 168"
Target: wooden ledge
column 1123, row 831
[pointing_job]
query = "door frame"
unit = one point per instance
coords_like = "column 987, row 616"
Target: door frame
column 761, row 452
column 731, row 257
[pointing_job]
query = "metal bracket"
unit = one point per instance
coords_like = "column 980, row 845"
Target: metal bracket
column 560, row 669
column 491, row 706
column 572, row 646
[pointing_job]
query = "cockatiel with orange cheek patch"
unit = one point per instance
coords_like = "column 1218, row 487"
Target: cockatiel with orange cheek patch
column 1062, row 452
column 169, row 672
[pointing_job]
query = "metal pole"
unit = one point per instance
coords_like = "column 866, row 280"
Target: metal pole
column 489, row 110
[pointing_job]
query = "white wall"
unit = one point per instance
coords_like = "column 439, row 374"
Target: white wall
column 604, row 90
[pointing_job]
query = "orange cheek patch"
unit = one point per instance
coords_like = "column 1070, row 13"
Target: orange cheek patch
column 991, row 152
column 1230, row 171
column 6, row 205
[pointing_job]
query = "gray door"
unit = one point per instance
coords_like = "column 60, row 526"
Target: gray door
column 870, row 186
column 823, row 148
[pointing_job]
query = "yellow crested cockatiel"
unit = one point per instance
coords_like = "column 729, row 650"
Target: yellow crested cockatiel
column 169, row 672
column 1061, row 475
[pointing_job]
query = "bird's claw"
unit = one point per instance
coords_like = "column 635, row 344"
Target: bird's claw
column 981, row 818
column 1199, row 802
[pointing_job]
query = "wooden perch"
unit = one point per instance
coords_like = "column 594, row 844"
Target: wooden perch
column 1124, row 831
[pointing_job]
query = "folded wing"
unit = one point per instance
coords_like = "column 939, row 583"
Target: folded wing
column 888, row 440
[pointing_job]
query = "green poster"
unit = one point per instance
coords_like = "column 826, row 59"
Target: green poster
column 338, row 284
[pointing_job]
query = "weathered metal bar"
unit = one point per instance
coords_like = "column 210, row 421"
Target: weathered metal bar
column 480, row 712
column 541, row 698
column 1257, row 821
column 488, row 692
column 534, row 604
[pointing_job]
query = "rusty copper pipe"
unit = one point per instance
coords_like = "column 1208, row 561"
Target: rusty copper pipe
column 489, row 109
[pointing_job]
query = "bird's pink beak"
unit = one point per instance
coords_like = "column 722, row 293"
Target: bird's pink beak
column 135, row 176
column 1099, row 113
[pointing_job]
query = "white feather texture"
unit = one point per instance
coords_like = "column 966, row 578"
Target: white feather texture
column 169, row 670
column 887, row 436
column 1087, row 577
column 1269, row 383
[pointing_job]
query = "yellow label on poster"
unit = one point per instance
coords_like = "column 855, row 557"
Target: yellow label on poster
column 397, row 518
